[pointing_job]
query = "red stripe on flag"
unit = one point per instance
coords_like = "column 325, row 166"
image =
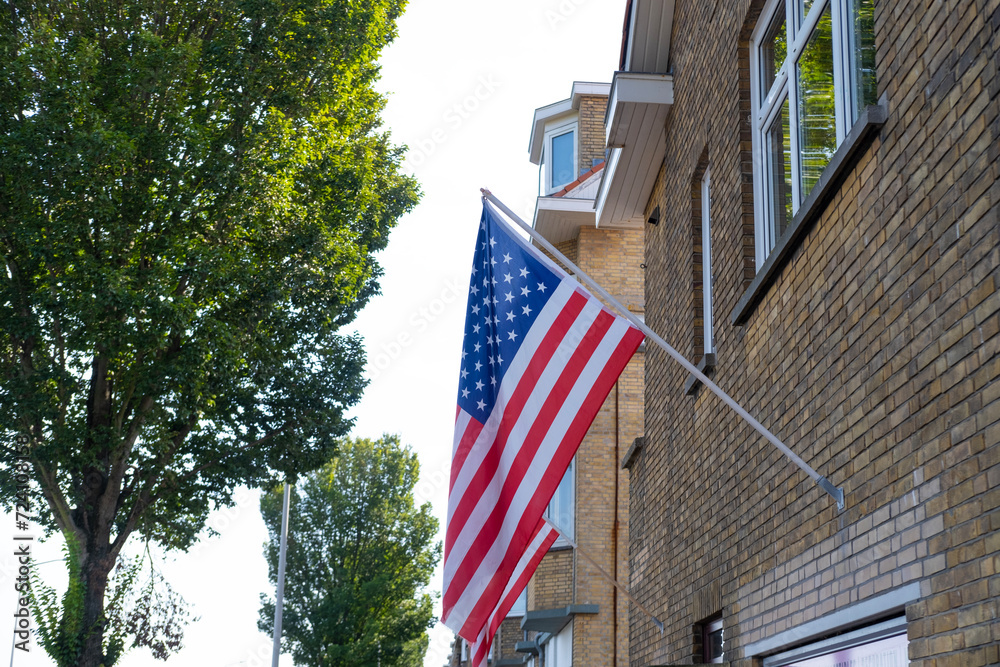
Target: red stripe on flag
column 525, row 568
column 526, row 452
column 575, row 433
column 511, row 411
column 556, row 468
column 472, row 431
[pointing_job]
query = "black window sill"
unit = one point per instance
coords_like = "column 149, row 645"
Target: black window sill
column 706, row 364
column 871, row 120
column 633, row 453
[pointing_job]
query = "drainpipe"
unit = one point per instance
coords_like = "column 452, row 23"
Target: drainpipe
column 614, row 538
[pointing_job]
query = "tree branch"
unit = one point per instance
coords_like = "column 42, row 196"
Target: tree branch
column 57, row 501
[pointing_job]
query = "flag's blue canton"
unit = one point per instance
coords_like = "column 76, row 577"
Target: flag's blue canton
column 508, row 289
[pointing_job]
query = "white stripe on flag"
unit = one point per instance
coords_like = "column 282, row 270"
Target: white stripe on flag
column 534, row 552
column 487, row 499
column 512, row 378
column 490, row 564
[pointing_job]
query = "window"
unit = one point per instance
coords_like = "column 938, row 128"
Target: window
column 702, row 278
column 559, row 650
column 706, row 262
column 520, row 605
column 883, row 644
column 560, row 156
column 813, row 73
column 561, row 509
column 711, row 642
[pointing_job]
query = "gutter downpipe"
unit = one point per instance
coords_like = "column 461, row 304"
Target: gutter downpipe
column 614, row 535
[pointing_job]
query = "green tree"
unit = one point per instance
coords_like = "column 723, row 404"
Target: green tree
column 191, row 193
column 359, row 554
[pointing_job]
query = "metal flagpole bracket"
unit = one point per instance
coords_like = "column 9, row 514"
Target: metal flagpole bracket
column 836, row 493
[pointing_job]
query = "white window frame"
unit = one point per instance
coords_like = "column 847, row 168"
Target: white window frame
column 559, row 649
column 886, row 636
column 553, row 508
column 707, row 277
column 520, row 605
column 551, row 132
column 766, row 105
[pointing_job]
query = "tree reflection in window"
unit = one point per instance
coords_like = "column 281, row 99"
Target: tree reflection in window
column 780, row 165
column 817, row 105
column 773, row 49
column 816, row 60
column 863, row 55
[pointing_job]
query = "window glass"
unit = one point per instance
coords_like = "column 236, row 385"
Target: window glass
column 562, row 159
column 560, row 509
column 779, row 147
column 520, row 605
column 559, row 652
column 817, row 112
column 706, row 261
column 712, row 650
column 863, row 54
column 889, row 652
column 807, row 105
column 773, row 49
column 804, row 7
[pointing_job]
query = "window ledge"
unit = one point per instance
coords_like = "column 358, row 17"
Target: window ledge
column 872, row 118
column 633, row 452
column 706, row 364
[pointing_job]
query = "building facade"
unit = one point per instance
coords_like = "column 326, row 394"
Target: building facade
column 573, row 615
column 818, row 184
column 570, row 614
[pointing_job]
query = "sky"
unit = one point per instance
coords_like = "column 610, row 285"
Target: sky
column 463, row 80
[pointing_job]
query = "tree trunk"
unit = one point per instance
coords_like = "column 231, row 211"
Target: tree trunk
column 95, row 583
column 96, row 517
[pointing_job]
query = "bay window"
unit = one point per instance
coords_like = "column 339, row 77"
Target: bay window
column 560, row 157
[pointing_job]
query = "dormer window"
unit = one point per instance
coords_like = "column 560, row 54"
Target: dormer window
column 561, row 156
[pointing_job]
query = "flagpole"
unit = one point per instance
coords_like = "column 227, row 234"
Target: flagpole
column 604, row 573
column 836, row 492
column 276, row 651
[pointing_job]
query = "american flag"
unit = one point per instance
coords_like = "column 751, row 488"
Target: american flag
column 539, row 357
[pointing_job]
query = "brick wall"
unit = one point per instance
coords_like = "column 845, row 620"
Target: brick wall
column 552, row 585
column 613, row 259
column 873, row 355
column 507, row 637
column 591, row 120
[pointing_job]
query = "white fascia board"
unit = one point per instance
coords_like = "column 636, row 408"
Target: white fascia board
column 565, row 205
column 581, row 88
column 650, row 26
column 542, row 116
column 631, row 89
column 633, row 24
column 559, row 219
column 607, row 178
